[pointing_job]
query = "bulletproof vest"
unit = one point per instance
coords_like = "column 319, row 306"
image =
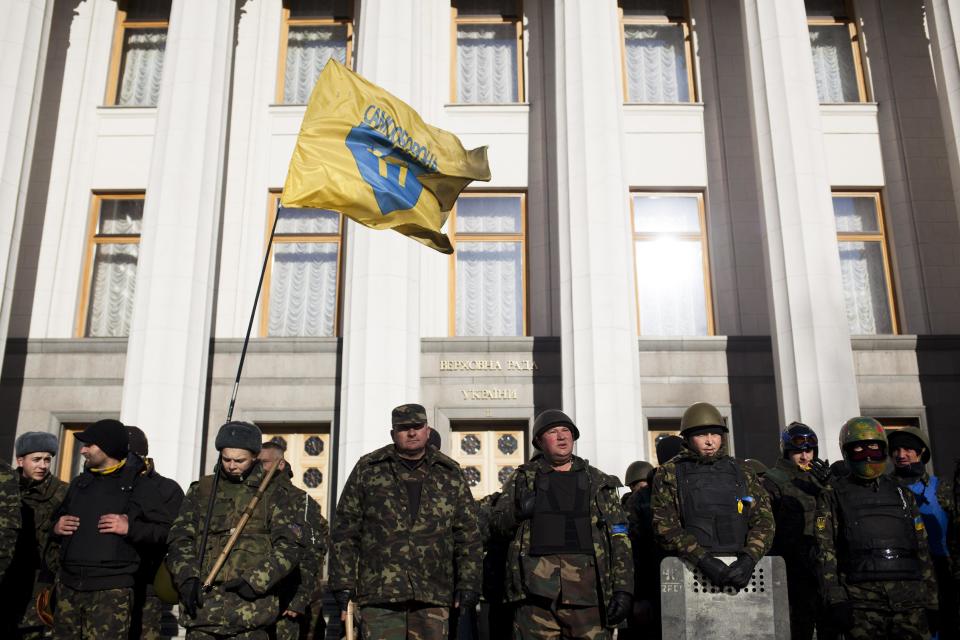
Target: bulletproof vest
column 253, row 544
column 796, row 509
column 713, row 505
column 94, row 496
column 561, row 515
column 879, row 541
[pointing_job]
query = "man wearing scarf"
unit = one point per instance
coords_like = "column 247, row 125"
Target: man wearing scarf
column 874, row 563
column 910, row 452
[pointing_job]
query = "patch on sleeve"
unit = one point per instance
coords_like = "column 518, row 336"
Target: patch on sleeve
column 821, row 522
column 619, row 530
column 918, row 523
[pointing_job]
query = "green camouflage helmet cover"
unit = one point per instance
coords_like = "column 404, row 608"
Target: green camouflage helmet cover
column 410, row 414
column 863, row 429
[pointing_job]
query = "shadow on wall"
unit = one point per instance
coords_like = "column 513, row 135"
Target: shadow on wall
column 938, row 361
column 753, row 398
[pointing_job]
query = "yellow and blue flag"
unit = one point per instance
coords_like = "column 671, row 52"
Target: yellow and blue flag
column 365, row 153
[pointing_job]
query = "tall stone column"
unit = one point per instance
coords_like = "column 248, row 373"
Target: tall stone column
column 943, row 18
column 381, row 315
column 601, row 364
column 166, row 370
column 23, row 43
column 812, row 353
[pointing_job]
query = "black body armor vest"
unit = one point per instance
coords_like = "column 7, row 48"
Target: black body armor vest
column 561, row 516
column 709, row 497
column 879, row 541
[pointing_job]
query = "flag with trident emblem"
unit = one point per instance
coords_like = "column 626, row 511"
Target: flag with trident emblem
column 365, row 153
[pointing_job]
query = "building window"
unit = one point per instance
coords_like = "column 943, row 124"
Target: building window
column 659, row 429
column 69, row 460
column 864, row 263
column 489, row 51
column 657, row 51
column 139, row 42
column 488, row 453
column 307, row 452
column 111, row 265
column 836, row 52
column 312, row 32
column 302, row 280
column 488, row 266
column 672, row 267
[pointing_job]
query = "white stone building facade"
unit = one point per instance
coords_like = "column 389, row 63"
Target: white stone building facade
column 747, row 202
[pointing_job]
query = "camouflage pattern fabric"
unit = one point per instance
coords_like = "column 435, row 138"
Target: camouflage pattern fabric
column 570, row 577
column 92, row 615
column 268, row 550
column 612, row 555
column 9, row 514
column 28, row 573
column 151, row 617
column 404, row 622
column 384, row 556
column 545, row 619
column 668, row 524
column 256, row 634
column 891, row 596
column 870, row 624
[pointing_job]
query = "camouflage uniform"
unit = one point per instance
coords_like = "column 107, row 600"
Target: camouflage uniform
column 668, row 523
column 267, row 551
column 881, row 609
column 496, row 620
column 9, row 514
column 403, row 569
column 564, row 594
column 793, row 496
column 39, row 499
column 300, row 591
column 75, row 612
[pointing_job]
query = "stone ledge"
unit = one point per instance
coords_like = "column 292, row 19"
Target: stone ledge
column 520, row 344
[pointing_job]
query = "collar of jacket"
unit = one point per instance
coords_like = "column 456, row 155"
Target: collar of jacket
column 690, row 454
column 43, row 489
column 431, row 457
column 543, row 466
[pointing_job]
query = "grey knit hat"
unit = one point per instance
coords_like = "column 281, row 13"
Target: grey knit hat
column 34, row 441
column 239, row 435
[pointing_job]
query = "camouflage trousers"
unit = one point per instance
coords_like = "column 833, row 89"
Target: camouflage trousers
column 405, row 621
column 543, row 619
column 309, row 625
column 871, row 624
column 146, row 619
column 256, row 634
column 92, row 615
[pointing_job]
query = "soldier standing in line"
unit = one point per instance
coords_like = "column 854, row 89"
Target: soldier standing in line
column 243, row 601
column 405, row 540
column 644, row 621
column 496, row 618
column 706, row 503
column 41, row 493
column 152, row 511
column 300, row 605
column 873, row 561
column 794, row 484
column 910, row 452
column 570, row 568
column 9, row 515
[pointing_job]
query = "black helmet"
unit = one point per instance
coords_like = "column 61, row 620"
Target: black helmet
column 798, row 437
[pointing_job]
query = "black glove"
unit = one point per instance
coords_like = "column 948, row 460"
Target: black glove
column 619, row 608
column 820, row 469
column 526, row 501
column 189, row 593
column 933, row 620
column 739, row 573
column 467, row 598
column 242, row 588
column 343, row 597
column 714, row 569
column 841, row 614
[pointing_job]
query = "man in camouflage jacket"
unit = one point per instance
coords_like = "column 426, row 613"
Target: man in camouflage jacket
column 41, row 493
column 694, row 515
column 873, row 560
column 9, row 514
column 569, row 565
column 405, row 540
column 300, row 591
column 243, row 602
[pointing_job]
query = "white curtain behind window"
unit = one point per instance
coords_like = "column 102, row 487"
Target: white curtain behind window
column 303, row 289
column 489, row 289
column 308, row 50
column 670, row 287
column 656, row 63
column 487, row 63
column 865, row 288
column 112, row 289
column 833, row 64
column 143, row 51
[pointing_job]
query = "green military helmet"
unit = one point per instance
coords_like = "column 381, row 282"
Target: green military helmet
column 637, row 471
column 861, row 429
column 701, row 416
column 911, row 438
column 865, row 464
